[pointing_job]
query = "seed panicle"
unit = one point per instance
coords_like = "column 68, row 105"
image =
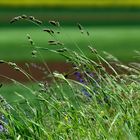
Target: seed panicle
column 79, row 26
column 54, row 23
column 2, row 61
column 23, row 16
column 15, row 19
column 32, row 18
column 62, row 50
column 37, row 21
column 53, row 42
column 30, row 40
column 50, row 31
column 93, row 50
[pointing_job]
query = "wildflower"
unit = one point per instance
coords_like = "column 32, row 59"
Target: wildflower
column 1, row 128
column 102, row 113
column 4, row 120
column 86, row 93
column 66, row 118
column 5, row 106
column 80, row 79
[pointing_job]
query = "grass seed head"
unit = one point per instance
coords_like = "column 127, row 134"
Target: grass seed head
column 23, row 16
column 17, row 69
column 93, row 50
column 53, row 42
column 30, row 40
column 2, row 61
column 50, row 31
column 12, row 64
column 28, row 36
column 37, row 21
column 60, row 43
column 17, row 18
column 79, row 26
column 88, row 33
column 54, row 23
column 62, row 50
column 14, row 20
column 34, row 52
column 31, row 17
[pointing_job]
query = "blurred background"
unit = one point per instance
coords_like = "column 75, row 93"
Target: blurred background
column 114, row 27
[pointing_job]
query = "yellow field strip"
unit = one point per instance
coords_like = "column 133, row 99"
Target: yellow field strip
column 98, row 3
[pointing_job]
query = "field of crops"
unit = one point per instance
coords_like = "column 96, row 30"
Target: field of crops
column 72, row 2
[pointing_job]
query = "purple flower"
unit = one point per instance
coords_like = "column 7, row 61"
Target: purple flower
column 81, row 80
column 1, row 128
column 86, row 93
column 79, row 77
column 93, row 82
column 2, row 117
column 78, row 74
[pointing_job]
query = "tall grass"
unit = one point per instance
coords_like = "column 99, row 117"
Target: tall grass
column 98, row 105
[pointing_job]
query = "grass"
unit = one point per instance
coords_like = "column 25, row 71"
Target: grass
column 62, row 110
column 119, row 41
column 8, row 91
column 98, row 105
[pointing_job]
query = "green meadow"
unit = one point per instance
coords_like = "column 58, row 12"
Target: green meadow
column 120, row 41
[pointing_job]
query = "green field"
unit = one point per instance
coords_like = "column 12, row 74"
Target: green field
column 121, row 41
column 8, row 91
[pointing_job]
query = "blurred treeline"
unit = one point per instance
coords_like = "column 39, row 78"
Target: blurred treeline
column 89, row 12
